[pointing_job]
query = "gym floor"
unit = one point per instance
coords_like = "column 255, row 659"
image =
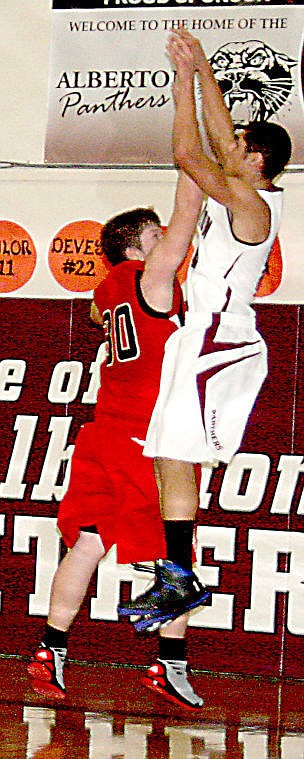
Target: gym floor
column 109, row 714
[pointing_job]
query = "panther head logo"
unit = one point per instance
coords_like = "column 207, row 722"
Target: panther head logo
column 255, row 80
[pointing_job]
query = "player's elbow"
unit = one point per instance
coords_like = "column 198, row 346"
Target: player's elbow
column 182, row 156
column 188, row 157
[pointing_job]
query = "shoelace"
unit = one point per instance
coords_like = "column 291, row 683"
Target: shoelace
column 142, row 568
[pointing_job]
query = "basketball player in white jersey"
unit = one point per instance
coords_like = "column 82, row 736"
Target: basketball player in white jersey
column 215, row 365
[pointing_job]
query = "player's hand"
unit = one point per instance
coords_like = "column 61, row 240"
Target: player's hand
column 192, row 44
column 181, row 57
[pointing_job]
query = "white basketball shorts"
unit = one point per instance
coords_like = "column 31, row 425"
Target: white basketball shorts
column 212, row 372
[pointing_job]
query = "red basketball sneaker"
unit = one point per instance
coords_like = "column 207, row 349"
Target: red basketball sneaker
column 169, row 679
column 47, row 671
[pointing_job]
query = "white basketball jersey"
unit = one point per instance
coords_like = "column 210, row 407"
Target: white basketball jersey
column 224, row 272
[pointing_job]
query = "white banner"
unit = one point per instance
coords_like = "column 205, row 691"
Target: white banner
column 110, row 86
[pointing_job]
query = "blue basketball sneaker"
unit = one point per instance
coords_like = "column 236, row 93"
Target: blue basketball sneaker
column 174, row 592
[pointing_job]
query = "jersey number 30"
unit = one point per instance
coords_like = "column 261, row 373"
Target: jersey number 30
column 120, row 333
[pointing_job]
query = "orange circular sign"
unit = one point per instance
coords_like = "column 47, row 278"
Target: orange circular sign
column 17, row 256
column 75, row 256
column 272, row 276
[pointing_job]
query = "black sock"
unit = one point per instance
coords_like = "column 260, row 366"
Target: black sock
column 179, row 535
column 54, row 638
column 172, row 648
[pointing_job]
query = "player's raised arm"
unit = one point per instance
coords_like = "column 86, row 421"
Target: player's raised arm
column 187, row 143
column 215, row 114
column 168, row 254
column 233, row 180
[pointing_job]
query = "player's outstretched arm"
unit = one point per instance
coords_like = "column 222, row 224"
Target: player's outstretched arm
column 187, row 144
column 250, row 212
column 169, row 252
column 215, row 114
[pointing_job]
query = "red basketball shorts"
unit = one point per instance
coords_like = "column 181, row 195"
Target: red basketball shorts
column 113, row 487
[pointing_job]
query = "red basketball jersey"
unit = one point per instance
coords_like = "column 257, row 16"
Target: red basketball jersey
column 136, row 335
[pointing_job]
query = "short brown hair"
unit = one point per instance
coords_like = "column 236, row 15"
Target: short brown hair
column 124, row 230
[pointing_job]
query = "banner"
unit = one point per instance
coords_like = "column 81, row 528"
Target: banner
column 110, row 86
column 65, row 4
column 250, row 540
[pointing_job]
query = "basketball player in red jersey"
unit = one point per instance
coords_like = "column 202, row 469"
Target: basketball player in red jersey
column 112, row 495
